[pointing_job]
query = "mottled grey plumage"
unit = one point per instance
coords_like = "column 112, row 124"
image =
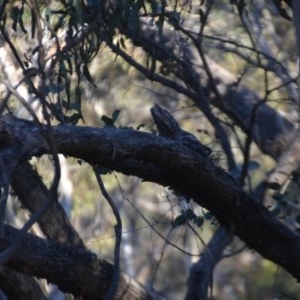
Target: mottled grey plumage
column 165, row 123
column 168, row 127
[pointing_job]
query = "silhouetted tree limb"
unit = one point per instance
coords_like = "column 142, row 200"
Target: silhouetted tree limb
column 201, row 272
column 221, row 90
column 296, row 17
column 32, row 193
column 16, row 285
column 73, row 269
column 169, row 163
column 204, row 82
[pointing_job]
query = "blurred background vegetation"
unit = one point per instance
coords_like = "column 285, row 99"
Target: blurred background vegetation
column 156, row 250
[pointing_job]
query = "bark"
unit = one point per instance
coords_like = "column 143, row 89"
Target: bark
column 32, row 193
column 296, row 17
column 288, row 161
column 24, row 287
column 208, row 83
column 213, row 84
column 168, row 163
column 201, row 272
column 241, row 104
column 74, row 270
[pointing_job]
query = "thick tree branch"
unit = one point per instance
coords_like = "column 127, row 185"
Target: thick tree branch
column 32, row 193
column 287, row 163
column 169, row 163
column 201, row 272
column 237, row 102
column 16, row 285
column 87, row 275
column 296, row 17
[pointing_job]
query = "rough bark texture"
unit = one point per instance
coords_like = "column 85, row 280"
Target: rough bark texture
column 169, row 163
column 74, row 270
column 240, row 103
column 55, row 225
column 32, row 193
column 19, row 286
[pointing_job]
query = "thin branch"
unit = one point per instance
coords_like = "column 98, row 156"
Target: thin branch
column 249, row 133
column 150, row 75
column 12, row 47
column 219, row 129
column 168, row 163
column 158, row 263
column 296, row 18
column 201, row 272
column 27, row 106
column 118, row 232
column 269, row 58
column 28, row 186
column 3, row 202
column 5, row 255
column 152, row 225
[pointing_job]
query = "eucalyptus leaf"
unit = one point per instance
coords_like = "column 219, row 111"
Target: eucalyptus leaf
column 199, row 221
column 179, row 220
column 107, row 121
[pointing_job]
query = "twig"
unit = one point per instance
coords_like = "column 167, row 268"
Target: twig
column 153, row 224
column 27, row 106
column 201, row 272
column 4, row 256
column 118, row 231
column 3, row 201
column 204, row 107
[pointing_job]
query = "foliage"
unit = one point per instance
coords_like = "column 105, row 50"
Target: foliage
column 225, row 71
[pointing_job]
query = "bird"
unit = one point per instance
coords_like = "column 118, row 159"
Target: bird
column 168, row 127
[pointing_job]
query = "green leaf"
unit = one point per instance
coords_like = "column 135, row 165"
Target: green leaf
column 14, row 14
column 63, row 78
column 108, row 121
column 174, row 19
column 122, row 43
column 208, row 216
column 87, row 75
column 140, row 126
column 276, row 211
column 133, row 18
column 22, row 24
column 253, row 165
column 240, row 4
column 54, row 88
column 152, row 67
column 190, row 214
column 278, row 197
column 73, row 119
column 199, row 221
column 78, row 95
column 179, row 220
column 154, row 7
column 202, row 16
column 116, row 114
